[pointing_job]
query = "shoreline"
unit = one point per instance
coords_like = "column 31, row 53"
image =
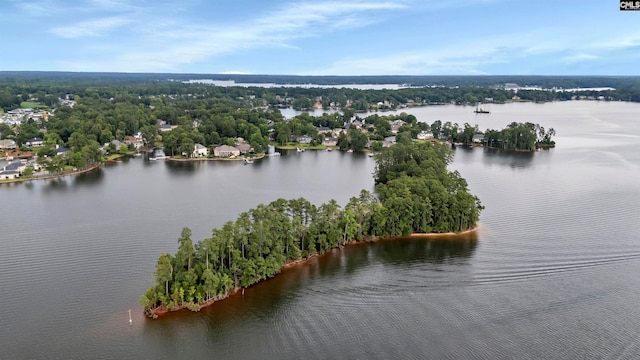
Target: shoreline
column 257, row 157
column 52, row 176
column 163, row 309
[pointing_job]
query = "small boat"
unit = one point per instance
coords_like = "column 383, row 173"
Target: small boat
column 372, row 154
column 480, row 110
column 248, row 161
column 350, row 150
column 299, row 150
column 329, row 149
column 274, row 154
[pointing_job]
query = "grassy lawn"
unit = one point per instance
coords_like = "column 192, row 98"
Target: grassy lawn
column 31, row 105
column 113, row 157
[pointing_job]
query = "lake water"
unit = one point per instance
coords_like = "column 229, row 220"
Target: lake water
column 552, row 273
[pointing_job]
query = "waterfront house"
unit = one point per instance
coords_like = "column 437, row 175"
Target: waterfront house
column 390, row 139
column 226, row 151
column 329, row 141
column 9, row 175
column 7, row 144
column 158, row 154
column 200, row 150
column 135, row 140
column 304, row 139
column 477, row 138
column 34, row 142
column 243, row 147
column 17, row 166
column 425, row 135
column 117, row 144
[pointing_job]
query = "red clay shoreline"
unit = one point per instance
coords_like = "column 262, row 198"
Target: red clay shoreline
column 163, row 309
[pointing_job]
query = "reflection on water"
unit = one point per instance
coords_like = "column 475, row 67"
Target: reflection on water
column 497, row 157
column 184, row 167
column 406, row 251
column 512, row 159
column 90, row 178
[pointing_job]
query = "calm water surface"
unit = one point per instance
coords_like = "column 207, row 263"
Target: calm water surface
column 551, row 274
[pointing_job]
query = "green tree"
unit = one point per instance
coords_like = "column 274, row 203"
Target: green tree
column 164, row 271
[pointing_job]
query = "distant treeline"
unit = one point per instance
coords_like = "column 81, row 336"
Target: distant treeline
column 416, row 194
column 96, row 78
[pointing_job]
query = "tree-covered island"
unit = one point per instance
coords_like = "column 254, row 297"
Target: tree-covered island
column 416, row 194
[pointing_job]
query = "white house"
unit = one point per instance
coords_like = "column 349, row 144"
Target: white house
column 7, row 144
column 33, row 142
column 425, row 135
column 200, row 150
column 8, row 175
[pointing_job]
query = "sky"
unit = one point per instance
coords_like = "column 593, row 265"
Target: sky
column 345, row 37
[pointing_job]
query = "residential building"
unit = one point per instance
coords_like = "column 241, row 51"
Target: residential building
column 9, row 175
column 304, row 139
column 61, row 150
column 167, row 127
column 395, row 126
column 477, row 138
column 200, row 150
column 323, row 130
column 425, row 135
column 34, row 142
column 226, row 151
column 390, row 139
column 7, row 144
column 329, row 141
column 17, row 166
column 244, row 148
column 135, row 140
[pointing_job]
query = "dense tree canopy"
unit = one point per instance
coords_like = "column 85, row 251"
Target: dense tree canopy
column 416, row 193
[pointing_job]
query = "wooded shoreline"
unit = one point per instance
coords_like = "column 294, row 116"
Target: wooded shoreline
column 53, row 176
column 163, row 309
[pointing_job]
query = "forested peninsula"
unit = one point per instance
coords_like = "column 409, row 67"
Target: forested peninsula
column 415, row 194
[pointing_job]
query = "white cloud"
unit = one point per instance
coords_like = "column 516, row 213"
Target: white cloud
column 166, row 45
column 89, row 28
column 580, row 57
column 37, row 8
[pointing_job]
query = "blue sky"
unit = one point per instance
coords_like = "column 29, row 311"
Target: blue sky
column 346, row 37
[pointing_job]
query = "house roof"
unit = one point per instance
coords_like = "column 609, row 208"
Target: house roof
column 199, row 147
column 14, row 166
column 61, row 150
column 9, row 172
column 34, row 139
column 226, row 148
